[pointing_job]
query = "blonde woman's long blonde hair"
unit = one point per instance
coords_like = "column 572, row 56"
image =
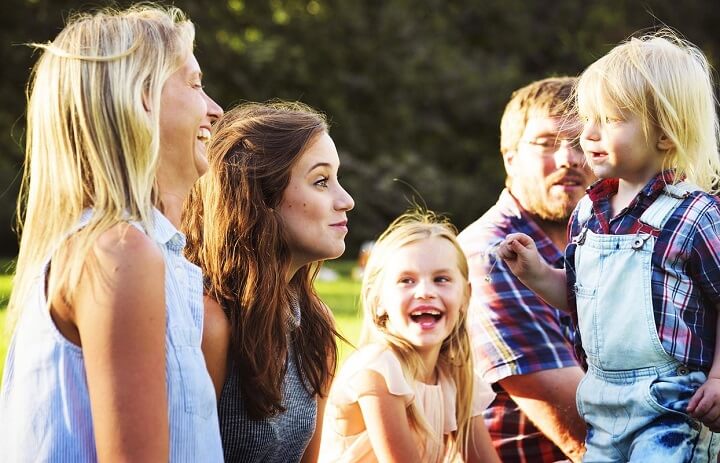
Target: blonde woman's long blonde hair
column 455, row 358
column 666, row 81
column 93, row 136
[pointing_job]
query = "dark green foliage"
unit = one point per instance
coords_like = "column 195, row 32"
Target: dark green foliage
column 413, row 89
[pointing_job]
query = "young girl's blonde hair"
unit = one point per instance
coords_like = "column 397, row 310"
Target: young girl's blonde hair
column 455, row 359
column 93, row 135
column 665, row 81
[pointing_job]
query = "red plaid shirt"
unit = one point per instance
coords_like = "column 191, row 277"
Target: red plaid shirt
column 685, row 264
column 512, row 331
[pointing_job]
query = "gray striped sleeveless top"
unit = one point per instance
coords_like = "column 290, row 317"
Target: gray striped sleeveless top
column 279, row 439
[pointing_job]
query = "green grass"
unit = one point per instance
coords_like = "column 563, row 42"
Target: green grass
column 5, row 285
column 342, row 296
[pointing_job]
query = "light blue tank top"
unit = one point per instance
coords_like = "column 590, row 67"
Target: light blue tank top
column 44, row 403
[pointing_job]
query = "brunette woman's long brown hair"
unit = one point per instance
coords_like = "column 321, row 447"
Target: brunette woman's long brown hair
column 234, row 233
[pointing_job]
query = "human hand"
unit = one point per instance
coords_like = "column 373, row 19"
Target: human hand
column 520, row 254
column 704, row 405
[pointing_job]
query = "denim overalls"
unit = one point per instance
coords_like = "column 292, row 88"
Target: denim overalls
column 634, row 395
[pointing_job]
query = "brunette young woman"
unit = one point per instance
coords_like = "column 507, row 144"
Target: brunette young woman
column 268, row 212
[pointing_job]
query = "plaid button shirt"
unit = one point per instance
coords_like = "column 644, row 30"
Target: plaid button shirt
column 685, row 264
column 512, row 331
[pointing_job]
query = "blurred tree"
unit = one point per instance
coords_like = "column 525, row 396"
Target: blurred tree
column 414, row 89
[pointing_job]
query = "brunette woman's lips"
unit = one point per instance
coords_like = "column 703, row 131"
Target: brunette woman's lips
column 342, row 226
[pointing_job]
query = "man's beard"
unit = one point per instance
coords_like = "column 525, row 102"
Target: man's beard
column 535, row 197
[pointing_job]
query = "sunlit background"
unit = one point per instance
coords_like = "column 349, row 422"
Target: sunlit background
column 414, row 89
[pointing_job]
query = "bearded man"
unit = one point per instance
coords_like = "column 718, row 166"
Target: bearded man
column 521, row 345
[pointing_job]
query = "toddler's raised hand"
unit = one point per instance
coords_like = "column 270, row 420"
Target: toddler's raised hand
column 520, row 254
column 705, row 404
column 522, row 257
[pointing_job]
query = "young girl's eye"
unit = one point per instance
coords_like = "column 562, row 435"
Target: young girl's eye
column 442, row 279
column 322, row 183
column 405, row 281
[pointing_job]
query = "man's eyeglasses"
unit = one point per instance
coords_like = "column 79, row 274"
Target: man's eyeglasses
column 550, row 145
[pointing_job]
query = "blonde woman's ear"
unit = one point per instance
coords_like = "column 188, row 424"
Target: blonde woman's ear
column 664, row 143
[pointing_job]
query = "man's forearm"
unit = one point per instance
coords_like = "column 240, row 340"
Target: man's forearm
column 548, row 399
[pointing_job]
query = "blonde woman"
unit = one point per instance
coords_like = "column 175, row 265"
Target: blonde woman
column 409, row 393
column 105, row 359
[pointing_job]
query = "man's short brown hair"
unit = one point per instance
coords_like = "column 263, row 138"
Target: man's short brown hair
column 549, row 97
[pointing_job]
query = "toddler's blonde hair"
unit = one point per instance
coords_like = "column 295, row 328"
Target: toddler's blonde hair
column 666, row 81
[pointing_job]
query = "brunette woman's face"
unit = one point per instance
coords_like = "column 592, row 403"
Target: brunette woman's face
column 314, row 205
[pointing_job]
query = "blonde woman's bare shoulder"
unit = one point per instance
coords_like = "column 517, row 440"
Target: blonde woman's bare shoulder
column 124, row 269
column 125, row 241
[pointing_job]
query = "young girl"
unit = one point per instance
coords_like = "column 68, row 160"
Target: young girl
column 409, row 393
column 105, row 360
column 270, row 209
column 643, row 267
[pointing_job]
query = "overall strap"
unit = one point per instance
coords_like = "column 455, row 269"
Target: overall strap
column 584, row 208
column 662, row 208
column 584, row 212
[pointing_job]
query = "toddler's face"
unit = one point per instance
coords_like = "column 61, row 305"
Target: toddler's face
column 422, row 292
column 616, row 146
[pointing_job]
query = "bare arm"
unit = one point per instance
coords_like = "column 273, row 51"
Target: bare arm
column 521, row 256
column 215, row 342
column 548, row 398
column 119, row 311
column 480, row 447
column 386, row 420
column 705, row 403
column 313, row 449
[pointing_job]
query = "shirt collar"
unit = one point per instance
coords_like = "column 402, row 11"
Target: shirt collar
column 509, row 205
column 165, row 232
column 603, row 189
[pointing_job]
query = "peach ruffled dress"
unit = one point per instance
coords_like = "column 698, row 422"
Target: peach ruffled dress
column 436, row 402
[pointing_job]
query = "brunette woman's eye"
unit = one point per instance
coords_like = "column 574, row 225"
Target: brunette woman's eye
column 323, row 182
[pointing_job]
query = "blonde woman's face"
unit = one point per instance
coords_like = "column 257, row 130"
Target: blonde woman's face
column 186, row 115
column 422, row 293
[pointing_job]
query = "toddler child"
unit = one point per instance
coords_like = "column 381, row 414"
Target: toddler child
column 643, row 266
